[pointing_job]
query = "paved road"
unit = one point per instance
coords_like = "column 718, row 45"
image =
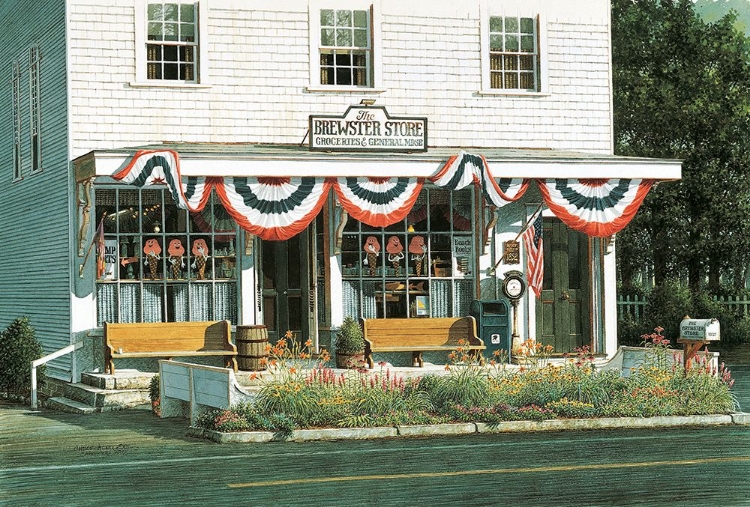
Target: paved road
column 133, row 458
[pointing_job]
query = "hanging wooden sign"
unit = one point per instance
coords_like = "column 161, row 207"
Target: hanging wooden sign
column 512, row 252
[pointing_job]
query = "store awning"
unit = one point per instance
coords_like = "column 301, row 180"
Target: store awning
column 274, row 192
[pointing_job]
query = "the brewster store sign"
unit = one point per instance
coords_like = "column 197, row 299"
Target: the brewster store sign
column 366, row 128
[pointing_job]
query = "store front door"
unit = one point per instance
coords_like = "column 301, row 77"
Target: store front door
column 286, row 287
column 562, row 315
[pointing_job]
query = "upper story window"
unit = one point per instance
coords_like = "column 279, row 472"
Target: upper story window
column 345, row 50
column 514, row 54
column 513, row 48
column 343, row 35
column 35, row 108
column 170, row 43
column 16, row 86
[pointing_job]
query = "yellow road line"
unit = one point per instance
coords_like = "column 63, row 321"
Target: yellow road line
column 492, row 471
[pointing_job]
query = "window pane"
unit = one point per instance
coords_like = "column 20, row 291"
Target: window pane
column 326, row 37
column 187, row 12
column 360, row 60
column 154, row 71
column 511, row 62
column 186, row 53
column 343, row 76
column 326, row 17
column 496, row 24
column 326, row 58
column 527, row 43
column 527, row 25
column 343, row 38
column 154, row 31
column 153, row 52
column 170, row 53
column 511, row 43
column 155, row 12
column 170, row 31
column 170, row 12
column 187, row 32
column 360, row 38
column 171, row 71
column 343, row 18
column 527, row 81
column 496, row 42
column 511, row 81
column 527, row 62
column 361, row 77
column 360, row 18
column 343, row 59
column 511, row 25
column 496, row 62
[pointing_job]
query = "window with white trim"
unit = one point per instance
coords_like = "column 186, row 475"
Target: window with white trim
column 345, row 50
column 16, row 106
column 343, row 35
column 513, row 53
column 172, row 41
column 35, row 108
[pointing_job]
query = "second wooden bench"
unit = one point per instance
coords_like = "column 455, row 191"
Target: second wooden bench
column 420, row 335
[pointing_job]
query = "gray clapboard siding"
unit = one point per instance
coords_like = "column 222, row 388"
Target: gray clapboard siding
column 35, row 266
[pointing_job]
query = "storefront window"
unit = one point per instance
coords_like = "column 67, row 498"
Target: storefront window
column 420, row 267
column 162, row 263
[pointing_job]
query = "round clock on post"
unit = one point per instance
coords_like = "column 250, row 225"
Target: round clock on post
column 514, row 287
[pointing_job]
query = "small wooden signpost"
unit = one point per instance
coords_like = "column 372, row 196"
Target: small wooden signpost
column 694, row 333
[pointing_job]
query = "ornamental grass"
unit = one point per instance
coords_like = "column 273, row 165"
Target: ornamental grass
column 305, row 393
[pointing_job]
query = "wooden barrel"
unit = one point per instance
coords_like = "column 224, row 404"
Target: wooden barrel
column 251, row 347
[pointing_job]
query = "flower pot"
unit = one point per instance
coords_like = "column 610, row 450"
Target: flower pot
column 355, row 360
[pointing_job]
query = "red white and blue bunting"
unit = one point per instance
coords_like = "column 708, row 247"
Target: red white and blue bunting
column 279, row 208
column 595, row 207
column 378, row 202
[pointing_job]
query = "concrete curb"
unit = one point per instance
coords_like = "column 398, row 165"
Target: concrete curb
column 328, row 434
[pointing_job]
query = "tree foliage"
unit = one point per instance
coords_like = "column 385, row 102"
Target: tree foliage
column 681, row 90
column 18, row 348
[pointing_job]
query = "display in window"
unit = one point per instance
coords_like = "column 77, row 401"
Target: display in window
column 176, row 263
column 462, row 253
column 418, row 251
column 395, row 251
column 107, row 260
column 372, row 250
column 200, row 258
column 152, row 251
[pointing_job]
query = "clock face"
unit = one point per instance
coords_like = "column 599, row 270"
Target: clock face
column 513, row 287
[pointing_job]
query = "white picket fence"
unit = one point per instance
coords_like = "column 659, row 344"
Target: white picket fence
column 635, row 306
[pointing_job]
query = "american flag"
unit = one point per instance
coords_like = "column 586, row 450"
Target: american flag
column 532, row 241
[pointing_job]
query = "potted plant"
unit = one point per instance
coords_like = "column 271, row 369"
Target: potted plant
column 350, row 344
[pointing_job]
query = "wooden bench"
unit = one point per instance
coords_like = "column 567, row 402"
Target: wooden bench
column 420, row 335
column 167, row 340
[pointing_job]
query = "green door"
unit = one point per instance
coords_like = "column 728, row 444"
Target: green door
column 286, row 287
column 563, row 313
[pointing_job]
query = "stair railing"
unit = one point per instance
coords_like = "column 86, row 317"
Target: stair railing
column 43, row 360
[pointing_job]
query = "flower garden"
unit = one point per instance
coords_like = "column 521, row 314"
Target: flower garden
column 306, row 393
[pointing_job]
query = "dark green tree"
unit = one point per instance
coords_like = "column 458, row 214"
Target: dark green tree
column 682, row 90
column 18, row 348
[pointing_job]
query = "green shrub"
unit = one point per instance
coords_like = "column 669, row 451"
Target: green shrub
column 153, row 388
column 18, row 348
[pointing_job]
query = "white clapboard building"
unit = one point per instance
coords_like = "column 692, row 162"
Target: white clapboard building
column 292, row 163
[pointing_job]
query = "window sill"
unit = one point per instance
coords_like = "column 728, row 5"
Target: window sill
column 344, row 89
column 167, row 84
column 512, row 93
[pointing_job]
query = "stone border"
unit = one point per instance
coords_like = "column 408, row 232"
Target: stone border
column 328, row 434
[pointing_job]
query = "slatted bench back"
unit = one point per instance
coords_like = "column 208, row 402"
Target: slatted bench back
column 168, row 336
column 415, row 333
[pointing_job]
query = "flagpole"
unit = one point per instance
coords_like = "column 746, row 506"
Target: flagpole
column 93, row 240
column 523, row 229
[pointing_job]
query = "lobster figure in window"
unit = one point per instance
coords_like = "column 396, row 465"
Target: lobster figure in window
column 200, row 253
column 395, row 253
column 152, row 251
column 176, row 251
column 372, row 250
